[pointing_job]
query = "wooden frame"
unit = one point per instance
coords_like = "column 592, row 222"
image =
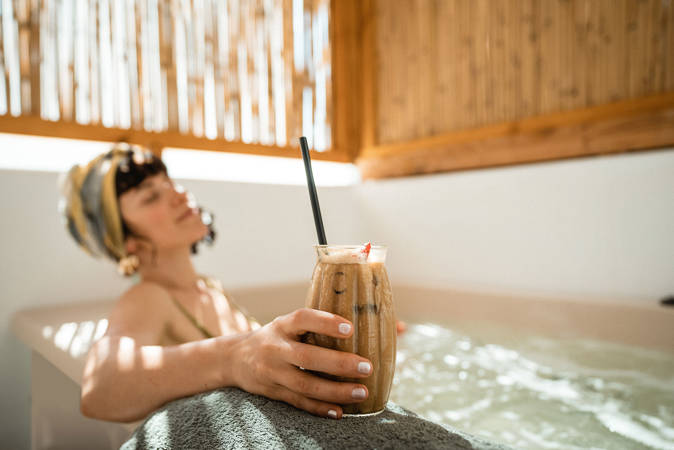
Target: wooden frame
column 155, row 141
column 640, row 124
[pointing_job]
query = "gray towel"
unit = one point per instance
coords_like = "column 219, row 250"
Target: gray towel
column 233, row 419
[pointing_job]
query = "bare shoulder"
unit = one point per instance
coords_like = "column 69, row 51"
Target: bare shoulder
column 141, row 312
column 144, row 294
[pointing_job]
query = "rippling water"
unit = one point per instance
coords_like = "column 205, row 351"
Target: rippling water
column 533, row 392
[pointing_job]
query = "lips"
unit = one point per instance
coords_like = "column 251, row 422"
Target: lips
column 186, row 214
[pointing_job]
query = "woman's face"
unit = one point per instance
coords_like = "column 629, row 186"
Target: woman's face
column 160, row 211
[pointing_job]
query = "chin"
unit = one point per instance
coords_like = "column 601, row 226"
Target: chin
column 195, row 233
column 203, row 232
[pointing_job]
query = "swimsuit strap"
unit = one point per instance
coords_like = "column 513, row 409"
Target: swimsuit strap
column 218, row 286
column 192, row 319
column 215, row 284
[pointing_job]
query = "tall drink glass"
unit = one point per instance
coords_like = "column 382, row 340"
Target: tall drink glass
column 354, row 284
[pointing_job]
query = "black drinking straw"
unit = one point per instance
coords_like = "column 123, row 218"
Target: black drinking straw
column 312, row 192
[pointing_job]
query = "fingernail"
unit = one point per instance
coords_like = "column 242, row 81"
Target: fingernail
column 332, row 413
column 359, row 393
column 364, row 367
column 344, row 328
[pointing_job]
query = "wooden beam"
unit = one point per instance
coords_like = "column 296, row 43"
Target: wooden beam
column 346, row 42
column 640, row 124
column 368, row 56
column 36, row 126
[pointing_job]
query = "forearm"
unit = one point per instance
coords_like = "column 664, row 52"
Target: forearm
column 124, row 381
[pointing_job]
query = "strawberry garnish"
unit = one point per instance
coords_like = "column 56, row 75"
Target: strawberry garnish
column 366, row 249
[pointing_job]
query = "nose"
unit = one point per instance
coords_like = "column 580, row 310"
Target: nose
column 180, row 195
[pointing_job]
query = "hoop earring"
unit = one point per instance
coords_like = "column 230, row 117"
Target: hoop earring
column 128, row 265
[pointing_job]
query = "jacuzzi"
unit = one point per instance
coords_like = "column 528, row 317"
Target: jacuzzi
column 488, row 324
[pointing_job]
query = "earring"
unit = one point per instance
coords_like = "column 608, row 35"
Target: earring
column 128, row 265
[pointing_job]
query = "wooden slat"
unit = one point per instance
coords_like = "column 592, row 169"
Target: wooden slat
column 225, row 54
column 669, row 47
column 23, row 18
column 368, row 24
column 72, row 62
column 12, row 62
column 346, row 79
column 35, row 126
column 66, row 76
column 197, row 53
column 288, row 69
column 219, row 58
column 4, row 87
column 157, row 91
column 234, row 85
column 326, row 62
column 143, row 64
column 263, row 64
column 276, row 74
column 645, row 123
column 132, row 66
column 168, row 63
column 92, row 63
column 299, row 80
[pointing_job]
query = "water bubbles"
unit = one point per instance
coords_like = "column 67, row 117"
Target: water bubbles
column 451, row 360
column 505, row 380
column 535, row 392
column 510, row 415
column 508, row 436
column 464, row 345
column 427, row 330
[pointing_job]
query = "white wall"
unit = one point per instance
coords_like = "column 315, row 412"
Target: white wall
column 601, row 226
column 596, row 226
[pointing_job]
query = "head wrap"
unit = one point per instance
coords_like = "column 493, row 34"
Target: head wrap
column 89, row 204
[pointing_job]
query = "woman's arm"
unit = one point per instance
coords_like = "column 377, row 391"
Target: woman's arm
column 124, row 380
column 127, row 375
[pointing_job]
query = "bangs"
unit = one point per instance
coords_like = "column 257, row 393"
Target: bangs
column 133, row 170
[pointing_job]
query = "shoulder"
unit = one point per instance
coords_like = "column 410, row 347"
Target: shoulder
column 144, row 295
column 141, row 309
column 145, row 291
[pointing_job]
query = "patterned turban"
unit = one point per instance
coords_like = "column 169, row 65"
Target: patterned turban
column 89, row 203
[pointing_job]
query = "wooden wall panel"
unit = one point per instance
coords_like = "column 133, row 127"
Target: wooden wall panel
column 447, row 65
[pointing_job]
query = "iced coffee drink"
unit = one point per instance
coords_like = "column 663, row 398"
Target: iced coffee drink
column 351, row 281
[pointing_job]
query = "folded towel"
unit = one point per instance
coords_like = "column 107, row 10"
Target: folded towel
column 234, row 419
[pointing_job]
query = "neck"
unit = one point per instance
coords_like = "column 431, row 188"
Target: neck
column 172, row 268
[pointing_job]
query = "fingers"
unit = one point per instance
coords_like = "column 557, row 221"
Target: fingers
column 310, row 405
column 401, row 327
column 316, row 388
column 329, row 361
column 315, row 321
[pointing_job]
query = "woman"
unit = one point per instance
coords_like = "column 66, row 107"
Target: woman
column 176, row 333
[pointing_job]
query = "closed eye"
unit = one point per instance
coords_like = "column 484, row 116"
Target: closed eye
column 154, row 196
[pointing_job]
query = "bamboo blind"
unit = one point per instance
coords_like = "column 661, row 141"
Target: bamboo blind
column 251, row 71
column 449, row 65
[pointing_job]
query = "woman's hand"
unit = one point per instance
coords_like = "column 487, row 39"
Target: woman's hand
column 268, row 360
